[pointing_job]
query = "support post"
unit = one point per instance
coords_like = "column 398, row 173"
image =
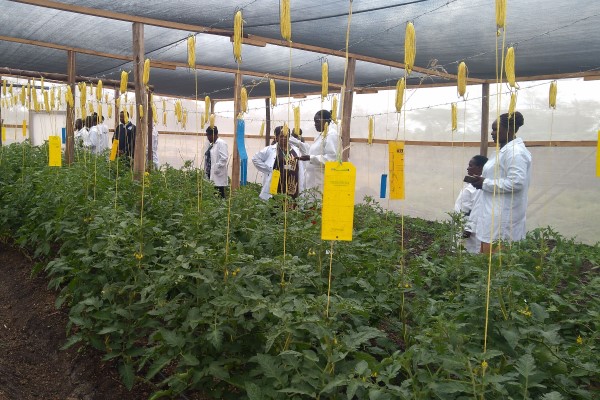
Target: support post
column 348, row 97
column 267, row 121
column 485, row 118
column 140, row 100
column 70, row 140
column 235, row 165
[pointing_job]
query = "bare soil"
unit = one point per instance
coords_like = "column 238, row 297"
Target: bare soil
column 32, row 331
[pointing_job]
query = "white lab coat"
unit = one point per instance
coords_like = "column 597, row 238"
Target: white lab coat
column 155, row 146
column 320, row 151
column 96, row 139
column 219, row 156
column 106, row 134
column 465, row 204
column 83, row 136
column 501, row 215
column 264, row 161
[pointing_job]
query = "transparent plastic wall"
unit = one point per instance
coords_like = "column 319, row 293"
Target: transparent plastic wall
column 564, row 190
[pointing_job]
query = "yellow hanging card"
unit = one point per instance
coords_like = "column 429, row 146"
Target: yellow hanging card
column 338, row 201
column 113, row 150
column 396, row 157
column 275, row 175
column 55, row 159
column 598, row 157
column 3, row 134
column 24, row 127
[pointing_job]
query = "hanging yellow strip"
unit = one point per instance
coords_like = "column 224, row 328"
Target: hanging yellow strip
column 338, row 201
column 54, row 159
column 552, row 95
column 206, row 109
column 410, row 48
column 597, row 155
column 191, row 46
column 124, row 81
column 454, row 117
column 261, row 133
column 24, row 127
column 285, row 20
column 3, row 134
column 275, row 175
column 334, row 109
column 113, row 150
column 99, row 90
column 371, row 130
column 146, row 74
column 324, row 80
column 238, row 32
column 396, row 157
column 273, row 93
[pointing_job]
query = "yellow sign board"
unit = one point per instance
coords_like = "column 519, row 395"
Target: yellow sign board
column 338, row 201
column 396, row 157
column 55, row 157
column 275, row 175
column 113, row 150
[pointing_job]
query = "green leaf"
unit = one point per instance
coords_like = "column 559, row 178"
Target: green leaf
column 351, row 390
column 526, row 365
column 253, row 391
column 512, row 337
column 160, row 394
column 190, row 359
column 71, row 341
column 539, row 312
column 361, row 367
column 552, row 396
column 127, row 375
column 157, row 366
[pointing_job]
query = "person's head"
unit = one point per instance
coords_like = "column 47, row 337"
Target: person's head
column 476, row 165
column 281, row 137
column 321, row 118
column 78, row 124
column 94, row 120
column 122, row 116
column 103, row 119
column 88, row 122
column 504, row 129
column 212, row 133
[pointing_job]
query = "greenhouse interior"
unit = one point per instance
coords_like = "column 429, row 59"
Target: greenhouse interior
column 280, row 199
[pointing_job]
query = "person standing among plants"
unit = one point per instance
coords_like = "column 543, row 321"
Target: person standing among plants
column 125, row 134
column 465, row 204
column 504, row 183
column 326, row 147
column 215, row 160
column 280, row 156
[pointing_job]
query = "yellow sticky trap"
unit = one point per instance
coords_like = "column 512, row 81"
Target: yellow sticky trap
column 396, row 157
column 597, row 155
column 3, row 134
column 54, row 159
column 24, row 128
column 113, row 150
column 338, row 201
column 275, row 175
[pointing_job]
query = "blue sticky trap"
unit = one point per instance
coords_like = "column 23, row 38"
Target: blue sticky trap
column 383, row 186
column 64, row 135
column 241, row 148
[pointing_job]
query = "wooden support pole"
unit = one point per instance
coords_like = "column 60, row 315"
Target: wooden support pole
column 485, row 118
column 150, row 114
column 267, row 121
column 347, row 98
column 70, row 140
column 140, row 100
column 237, row 106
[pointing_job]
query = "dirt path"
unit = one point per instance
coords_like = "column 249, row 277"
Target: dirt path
column 32, row 366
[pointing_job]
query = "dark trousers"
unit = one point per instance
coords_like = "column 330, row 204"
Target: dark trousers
column 221, row 190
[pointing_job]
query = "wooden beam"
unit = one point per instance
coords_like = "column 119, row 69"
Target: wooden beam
column 70, row 144
column 586, row 75
column 485, row 118
column 267, row 121
column 169, row 65
column 237, row 107
column 51, row 76
column 347, row 99
column 140, row 100
column 228, row 32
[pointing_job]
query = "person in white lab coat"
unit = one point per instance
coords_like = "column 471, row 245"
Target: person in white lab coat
column 504, row 184
column 465, row 204
column 280, row 156
column 215, row 160
column 326, row 147
column 155, row 146
column 80, row 133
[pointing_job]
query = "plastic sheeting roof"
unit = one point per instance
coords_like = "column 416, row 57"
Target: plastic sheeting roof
column 550, row 38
